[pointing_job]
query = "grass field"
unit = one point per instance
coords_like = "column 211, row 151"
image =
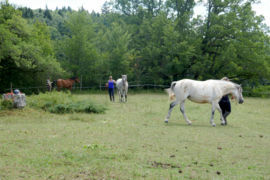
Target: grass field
column 131, row 141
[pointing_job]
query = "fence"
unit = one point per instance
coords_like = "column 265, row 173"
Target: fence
column 132, row 85
column 101, row 87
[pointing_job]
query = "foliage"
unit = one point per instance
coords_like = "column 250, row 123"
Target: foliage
column 258, row 91
column 6, row 104
column 61, row 103
column 152, row 41
column 26, row 52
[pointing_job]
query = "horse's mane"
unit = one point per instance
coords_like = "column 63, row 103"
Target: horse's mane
column 235, row 84
column 73, row 78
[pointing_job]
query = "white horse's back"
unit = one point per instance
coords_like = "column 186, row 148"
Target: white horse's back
column 200, row 91
column 118, row 82
column 210, row 91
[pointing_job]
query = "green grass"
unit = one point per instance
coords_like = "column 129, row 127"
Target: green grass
column 131, row 141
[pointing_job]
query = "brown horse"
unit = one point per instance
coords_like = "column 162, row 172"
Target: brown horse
column 66, row 83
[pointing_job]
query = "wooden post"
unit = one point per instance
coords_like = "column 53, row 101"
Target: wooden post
column 81, row 84
column 11, row 90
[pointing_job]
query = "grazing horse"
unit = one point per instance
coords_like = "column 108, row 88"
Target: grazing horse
column 66, row 83
column 122, row 87
column 210, row 91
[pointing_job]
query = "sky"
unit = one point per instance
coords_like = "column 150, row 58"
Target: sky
column 96, row 5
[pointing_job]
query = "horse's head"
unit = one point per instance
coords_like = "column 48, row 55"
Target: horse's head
column 237, row 94
column 124, row 78
column 76, row 79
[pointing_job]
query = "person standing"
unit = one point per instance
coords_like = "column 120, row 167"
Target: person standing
column 225, row 104
column 49, row 84
column 110, row 86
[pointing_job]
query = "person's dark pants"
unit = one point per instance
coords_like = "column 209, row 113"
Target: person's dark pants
column 225, row 106
column 111, row 93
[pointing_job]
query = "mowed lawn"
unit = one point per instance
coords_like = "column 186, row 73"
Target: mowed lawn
column 131, row 141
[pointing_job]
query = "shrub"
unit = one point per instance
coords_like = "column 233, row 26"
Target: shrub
column 259, row 91
column 6, row 104
column 60, row 103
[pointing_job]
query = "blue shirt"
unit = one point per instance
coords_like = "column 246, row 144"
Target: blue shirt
column 111, row 84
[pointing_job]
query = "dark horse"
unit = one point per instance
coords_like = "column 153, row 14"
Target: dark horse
column 66, row 83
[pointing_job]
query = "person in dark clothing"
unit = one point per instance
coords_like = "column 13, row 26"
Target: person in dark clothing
column 225, row 104
column 110, row 86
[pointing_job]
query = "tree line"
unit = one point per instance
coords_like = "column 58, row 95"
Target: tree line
column 152, row 41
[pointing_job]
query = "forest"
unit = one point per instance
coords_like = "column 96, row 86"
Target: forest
column 152, row 41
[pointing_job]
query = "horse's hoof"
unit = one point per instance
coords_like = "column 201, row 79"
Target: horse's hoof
column 214, row 125
column 223, row 124
column 166, row 121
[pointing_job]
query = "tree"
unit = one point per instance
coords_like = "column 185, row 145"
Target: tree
column 79, row 52
column 25, row 52
column 234, row 43
column 116, row 41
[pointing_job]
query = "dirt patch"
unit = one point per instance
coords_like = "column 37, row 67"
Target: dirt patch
column 163, row 165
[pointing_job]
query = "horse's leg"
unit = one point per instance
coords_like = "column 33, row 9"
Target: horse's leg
column 182, row 109
column 222, row 118
column 119, row 95
column 126, row 93
column 213, row 113
column 125, row 96
column 170, row 110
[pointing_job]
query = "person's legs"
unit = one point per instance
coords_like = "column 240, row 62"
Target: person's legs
column 110, row 93
column 222, row 106
column 226, row 110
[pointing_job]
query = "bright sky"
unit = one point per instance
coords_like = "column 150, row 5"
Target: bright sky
column 96, row 5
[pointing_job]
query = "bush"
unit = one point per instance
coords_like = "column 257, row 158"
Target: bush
column 60, row 103
column 6, row 104
column 259, row 91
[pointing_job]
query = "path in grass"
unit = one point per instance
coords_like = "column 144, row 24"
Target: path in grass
column 131, row 141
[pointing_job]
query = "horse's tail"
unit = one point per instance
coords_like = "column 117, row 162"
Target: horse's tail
column 170, row 90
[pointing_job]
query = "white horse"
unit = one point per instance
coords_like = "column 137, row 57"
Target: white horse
column 210, row 91
column 122, row 87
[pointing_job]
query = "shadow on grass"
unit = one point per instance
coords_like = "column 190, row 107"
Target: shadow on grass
column 180, row 124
